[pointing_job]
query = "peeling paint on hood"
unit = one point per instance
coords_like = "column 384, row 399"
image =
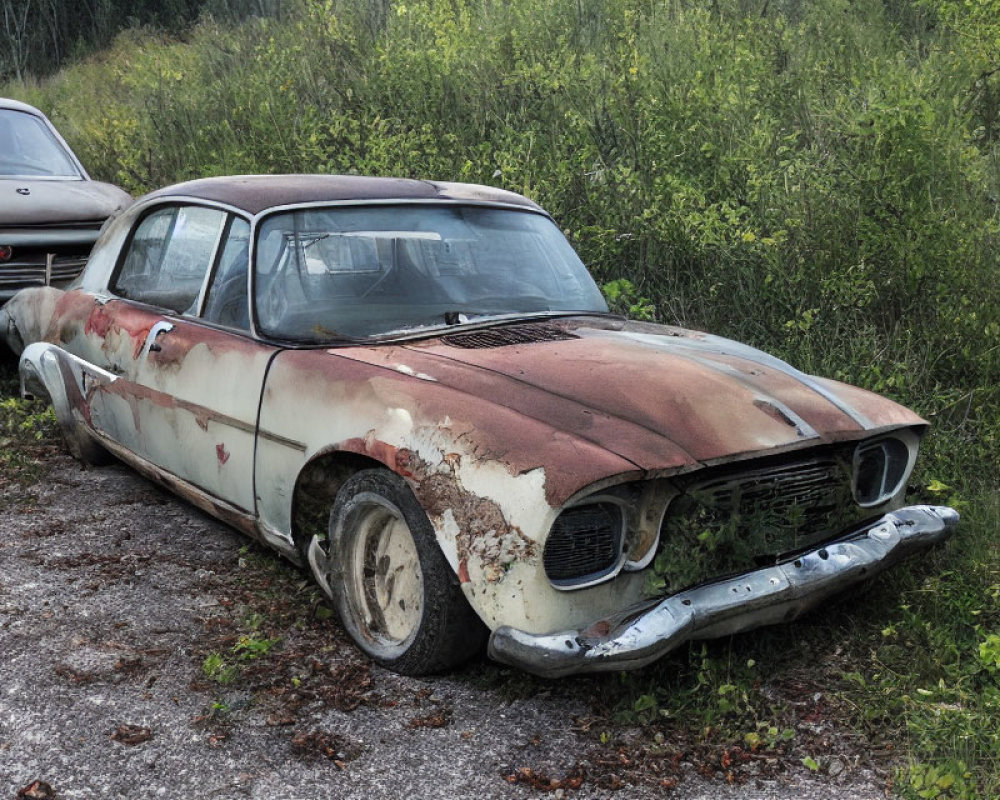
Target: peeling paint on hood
column 660, row 397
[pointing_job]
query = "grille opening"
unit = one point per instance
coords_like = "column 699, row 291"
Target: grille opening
column 506, row 336
column 31, row 266
column 584, row 545
column 871, row 465
column 735, row 523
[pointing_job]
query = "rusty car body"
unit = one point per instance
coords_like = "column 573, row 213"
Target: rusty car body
column 50, row 210
column 416, row 389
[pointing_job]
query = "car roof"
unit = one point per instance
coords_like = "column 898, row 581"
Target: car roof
column 257, row 193
column 17, row 105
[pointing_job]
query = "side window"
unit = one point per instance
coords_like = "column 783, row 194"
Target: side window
column 226, row 302
column 170, row 252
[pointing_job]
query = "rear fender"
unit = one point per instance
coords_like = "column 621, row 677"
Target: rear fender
column 49, row 372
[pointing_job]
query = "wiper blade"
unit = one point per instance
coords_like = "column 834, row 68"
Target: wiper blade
column 477, row 319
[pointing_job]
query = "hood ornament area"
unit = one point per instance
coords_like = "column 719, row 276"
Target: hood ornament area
column 23, row 190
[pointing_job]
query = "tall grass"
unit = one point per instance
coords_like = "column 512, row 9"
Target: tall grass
column 818, row 178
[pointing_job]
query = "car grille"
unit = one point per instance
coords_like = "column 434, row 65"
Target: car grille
column 502, row 337
column 23, row 272
column 46, row 253
column 738, row 522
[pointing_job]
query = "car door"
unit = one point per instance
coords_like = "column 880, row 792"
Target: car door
column 190, row 371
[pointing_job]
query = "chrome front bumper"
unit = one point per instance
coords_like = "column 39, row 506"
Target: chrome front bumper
column 762, row 597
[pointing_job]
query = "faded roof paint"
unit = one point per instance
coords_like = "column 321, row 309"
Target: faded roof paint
column 258, row 193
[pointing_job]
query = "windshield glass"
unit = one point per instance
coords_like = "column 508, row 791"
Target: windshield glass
column 361, row 271
column 27, row 147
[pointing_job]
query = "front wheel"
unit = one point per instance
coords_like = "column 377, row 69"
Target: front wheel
column 394, row 591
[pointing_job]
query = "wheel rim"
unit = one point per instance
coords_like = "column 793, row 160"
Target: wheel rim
column 383, row 581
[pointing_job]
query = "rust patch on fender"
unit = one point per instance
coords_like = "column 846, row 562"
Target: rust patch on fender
column 70, row 316
column 98, row 321
column 118, row 317
column 221, row 453
column 483, row 529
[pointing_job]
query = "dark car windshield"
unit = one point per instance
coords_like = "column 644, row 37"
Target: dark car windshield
column 27, row 148
column 355, row 272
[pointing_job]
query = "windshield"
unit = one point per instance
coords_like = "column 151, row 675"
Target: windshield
column 27, row 147
column 361, row 271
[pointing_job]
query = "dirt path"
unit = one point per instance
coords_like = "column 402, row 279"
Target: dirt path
column 149, row 652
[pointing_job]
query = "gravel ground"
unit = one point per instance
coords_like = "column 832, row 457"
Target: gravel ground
column 139, row 661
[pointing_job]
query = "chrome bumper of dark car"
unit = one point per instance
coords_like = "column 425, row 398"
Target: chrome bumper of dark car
column 765, row 596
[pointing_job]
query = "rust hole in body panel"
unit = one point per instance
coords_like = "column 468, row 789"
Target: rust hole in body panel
column 774, row 412
column 485, row 536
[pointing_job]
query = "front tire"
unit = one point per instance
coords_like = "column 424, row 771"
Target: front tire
column 393, row 589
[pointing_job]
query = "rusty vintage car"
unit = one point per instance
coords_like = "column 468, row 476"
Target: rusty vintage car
column 416, row 389
column 50, row 210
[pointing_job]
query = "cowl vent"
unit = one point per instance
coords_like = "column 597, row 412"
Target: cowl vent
column 503, row 337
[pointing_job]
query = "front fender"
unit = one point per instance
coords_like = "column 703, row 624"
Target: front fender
column 490, row 479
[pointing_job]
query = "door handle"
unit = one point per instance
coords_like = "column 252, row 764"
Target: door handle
column 152, row 346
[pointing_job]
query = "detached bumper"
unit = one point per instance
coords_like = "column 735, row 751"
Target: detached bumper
column 762, row 597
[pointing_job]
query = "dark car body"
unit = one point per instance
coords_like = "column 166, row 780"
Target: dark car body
column 50, row 210
column 416, row 389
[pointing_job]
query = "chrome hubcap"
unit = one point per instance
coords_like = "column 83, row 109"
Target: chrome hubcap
column 384, row 577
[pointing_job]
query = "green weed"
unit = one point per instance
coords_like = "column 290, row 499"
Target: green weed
column 28, row 431
column 216, row 668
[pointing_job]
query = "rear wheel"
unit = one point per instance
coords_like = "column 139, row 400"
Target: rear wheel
column 395, row 593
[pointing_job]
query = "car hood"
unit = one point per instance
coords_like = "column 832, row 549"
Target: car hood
column 661, row 397
column 27, row 201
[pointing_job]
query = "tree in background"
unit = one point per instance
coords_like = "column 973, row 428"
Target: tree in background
column 37, row 37
column 978, row 25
